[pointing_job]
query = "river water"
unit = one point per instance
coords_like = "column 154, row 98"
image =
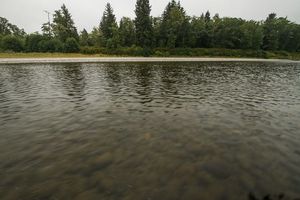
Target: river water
column 152, row 131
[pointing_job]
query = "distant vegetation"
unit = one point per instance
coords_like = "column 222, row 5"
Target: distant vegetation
column 174, row 33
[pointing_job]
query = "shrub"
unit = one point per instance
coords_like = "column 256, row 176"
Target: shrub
column 71, row 46
column 1, row 43
column 32, row 42
column 92, row 50
column 52, row 45
column 12, row 43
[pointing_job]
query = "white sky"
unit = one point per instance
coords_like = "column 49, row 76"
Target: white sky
column 28, row 14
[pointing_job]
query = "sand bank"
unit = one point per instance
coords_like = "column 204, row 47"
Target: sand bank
column 131, row 59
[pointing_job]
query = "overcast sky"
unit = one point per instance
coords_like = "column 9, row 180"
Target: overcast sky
column 28, row 14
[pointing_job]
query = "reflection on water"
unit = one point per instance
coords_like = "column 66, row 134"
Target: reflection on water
column 149, row 131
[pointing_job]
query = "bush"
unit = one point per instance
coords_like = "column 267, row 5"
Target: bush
column 12, row 43
column 1, row 36
column 92, row 50
column 161, row 53
column 32, row 42
column 52, row 45
column 71, row 46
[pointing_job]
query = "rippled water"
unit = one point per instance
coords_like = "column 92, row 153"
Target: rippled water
column 156, row 131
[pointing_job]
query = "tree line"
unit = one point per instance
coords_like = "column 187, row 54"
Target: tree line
column 173, row 29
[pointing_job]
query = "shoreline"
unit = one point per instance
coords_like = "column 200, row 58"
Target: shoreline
column 133, row 60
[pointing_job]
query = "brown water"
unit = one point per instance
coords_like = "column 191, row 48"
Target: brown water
column 156, row 131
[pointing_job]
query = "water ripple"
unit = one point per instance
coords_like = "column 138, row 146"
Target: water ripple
column 207, row 130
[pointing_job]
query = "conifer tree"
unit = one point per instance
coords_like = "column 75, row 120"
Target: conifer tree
column 174, row 26
column 127, row 32
column 108, row 22
column 143, row 24
column 63, row 25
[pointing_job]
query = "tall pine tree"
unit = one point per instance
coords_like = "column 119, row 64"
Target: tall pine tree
column 63, row 25
column 127, row 31
column 108, row 22
column 143, row 23
column 270, row 40
column 175, row 25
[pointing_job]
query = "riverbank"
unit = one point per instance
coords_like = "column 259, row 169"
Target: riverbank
column 47, row 55
column 163, row 53
column 91, row 59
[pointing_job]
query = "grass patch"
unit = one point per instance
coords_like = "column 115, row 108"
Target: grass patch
column 160, row 52
column 48, row 55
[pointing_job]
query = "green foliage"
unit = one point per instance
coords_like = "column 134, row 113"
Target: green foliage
column 188, row 52
column 71, row 46
column 63, row 25
column 174, row 26
column 252, row 35
column 47, row 29
column 270, row 40
column 32, row 42
column 96, row 37
column 92, row 50
column 114, row 41
column 85, row 39
column 120, row 51
column 288, row 35
column 51, row 45
column 200, row 34
column 174, row 33
column 108, row 26
column 7, row 28
column 127, row 32
column 12, row 43
column 1, row 36
column 207, row 17
column 143, row 24
column 4, row 26
column 228, row 33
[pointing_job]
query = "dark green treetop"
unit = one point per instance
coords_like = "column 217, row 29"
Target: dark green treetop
column 174, row 27
column 63, row 25
column 7, row 28
column 143, row 24
column 127, row 32
column 108, row 22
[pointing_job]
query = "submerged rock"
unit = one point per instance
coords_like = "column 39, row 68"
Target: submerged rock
column 217, row 169
column 103, row 160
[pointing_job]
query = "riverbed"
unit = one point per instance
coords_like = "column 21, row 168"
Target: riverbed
column 203, row 129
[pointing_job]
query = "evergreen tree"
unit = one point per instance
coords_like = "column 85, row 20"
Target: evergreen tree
column 198, row 33
column 175, row 26
column 270, row 41
column 71, row 46
column 84, row 38
column 114, row 41
column 252, row 35
column 156, row 24
column 207, row 17
column 127, row 32
column 288, row 35
column 173, row 29
column 96, row 37
column 143, row 23
column 12, row 43
column 108, row 24
column 47, row 30
column 63, row 25
column 228, row 33
column 32, row 42
column 7, row 28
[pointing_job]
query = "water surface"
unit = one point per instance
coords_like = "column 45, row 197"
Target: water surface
column 188, row 131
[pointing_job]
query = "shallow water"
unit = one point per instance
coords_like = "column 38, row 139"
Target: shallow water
column 156, row 131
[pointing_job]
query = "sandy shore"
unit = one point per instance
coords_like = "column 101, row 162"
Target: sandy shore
column 131, row 59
